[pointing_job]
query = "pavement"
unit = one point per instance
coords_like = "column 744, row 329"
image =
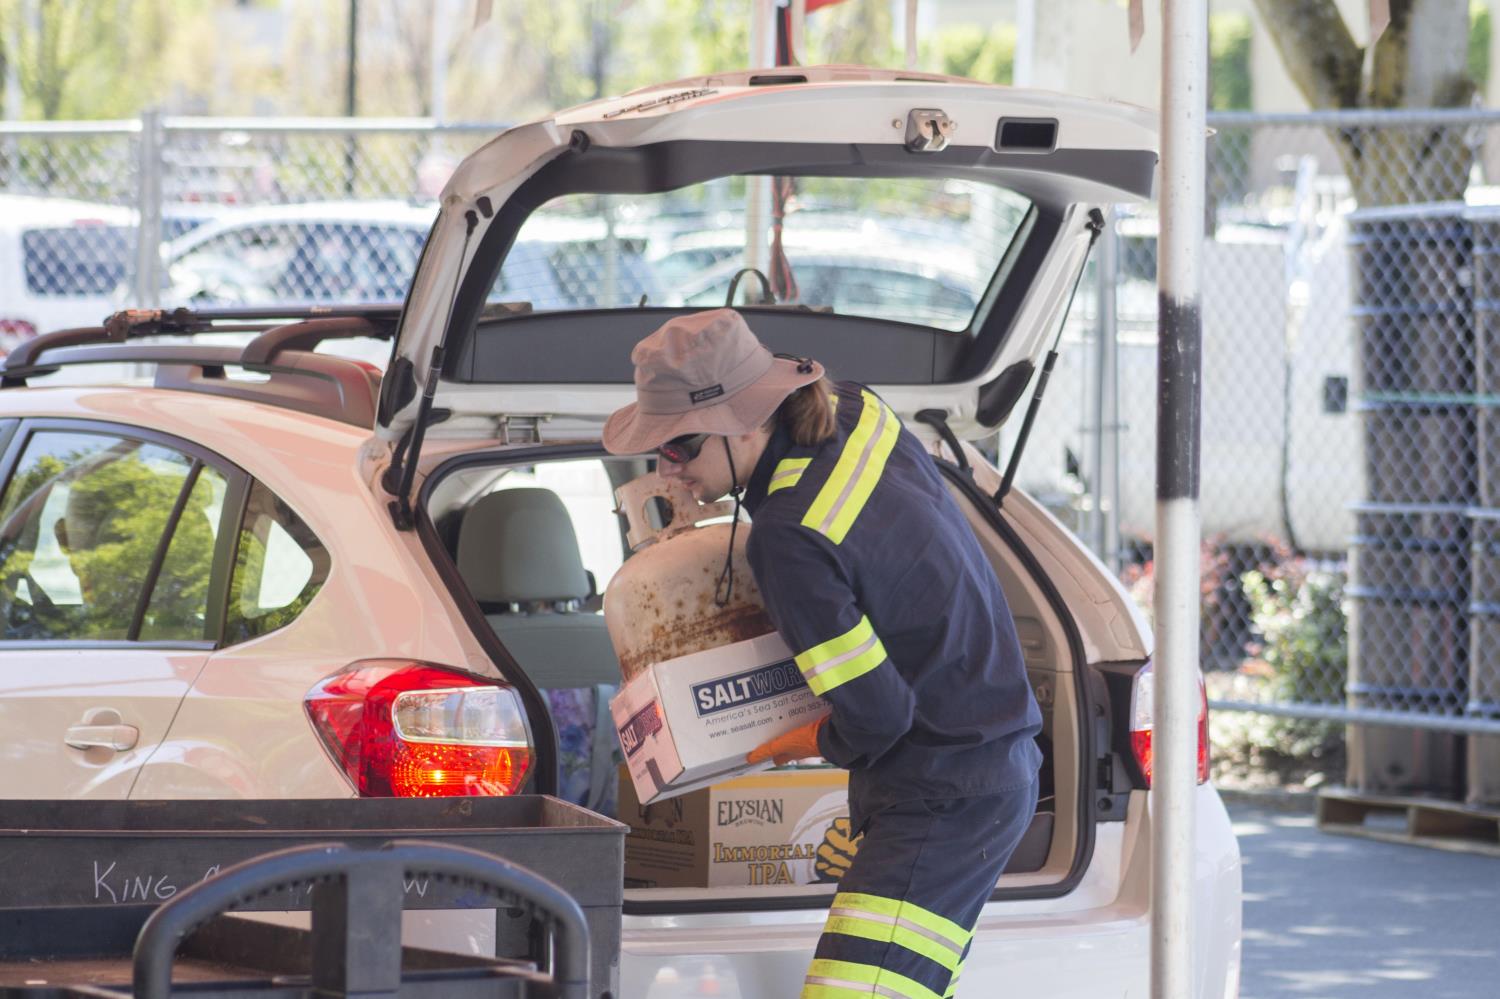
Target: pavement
column 1337, row 917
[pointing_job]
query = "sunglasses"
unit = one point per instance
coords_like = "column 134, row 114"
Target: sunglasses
column 681, row 450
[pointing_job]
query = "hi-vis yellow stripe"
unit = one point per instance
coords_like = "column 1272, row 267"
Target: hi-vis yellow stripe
column 788, row 473
column 953, row 982
column 890, row 920
column 846, row 980
column 858, row 469
column 841, row 659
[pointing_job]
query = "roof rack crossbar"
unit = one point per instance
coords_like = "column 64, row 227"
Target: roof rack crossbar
column 320, row 384
column 308, row 327
column 305, row 335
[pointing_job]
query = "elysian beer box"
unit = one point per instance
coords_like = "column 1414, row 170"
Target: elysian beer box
column 688, row 722
column 764, row 829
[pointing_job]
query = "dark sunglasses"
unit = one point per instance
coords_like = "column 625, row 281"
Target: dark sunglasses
column 681, row 450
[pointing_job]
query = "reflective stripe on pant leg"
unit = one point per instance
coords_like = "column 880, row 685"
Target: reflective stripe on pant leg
column 958, row 971
column 848, row 980
column 857, row 950
column 906, row 924
column 922, row 875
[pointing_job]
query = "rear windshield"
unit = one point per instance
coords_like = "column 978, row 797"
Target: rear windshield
column 913, row 250
column 79, row 260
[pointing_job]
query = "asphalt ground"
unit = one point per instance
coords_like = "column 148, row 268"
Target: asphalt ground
column 1342, row 917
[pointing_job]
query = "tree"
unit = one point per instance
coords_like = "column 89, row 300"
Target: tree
column 971, row 51
column 88, row 60
column 1420, row 61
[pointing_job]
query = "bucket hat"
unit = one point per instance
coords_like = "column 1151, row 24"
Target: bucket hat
column 703, row 373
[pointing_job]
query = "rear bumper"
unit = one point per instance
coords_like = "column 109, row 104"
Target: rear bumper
column 1092, row 942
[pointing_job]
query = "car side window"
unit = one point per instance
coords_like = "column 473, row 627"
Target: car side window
column 178, row 608
column 279, row 566
column 81, row 523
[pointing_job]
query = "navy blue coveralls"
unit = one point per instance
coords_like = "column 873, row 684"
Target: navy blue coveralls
column 879, row 586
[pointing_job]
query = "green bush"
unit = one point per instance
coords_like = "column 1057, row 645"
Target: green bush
column 1298, row 615
column 1300, row 655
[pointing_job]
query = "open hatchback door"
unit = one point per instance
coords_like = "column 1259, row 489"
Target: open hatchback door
column 917, row 233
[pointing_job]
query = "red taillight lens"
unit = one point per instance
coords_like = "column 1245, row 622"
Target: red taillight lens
column 413, row 730
column 1140, row 724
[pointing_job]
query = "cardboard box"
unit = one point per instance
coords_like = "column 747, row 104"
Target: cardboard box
column 764, row 829
column 688, row 722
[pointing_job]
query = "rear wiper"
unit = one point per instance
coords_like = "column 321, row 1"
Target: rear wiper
column 1095, row 227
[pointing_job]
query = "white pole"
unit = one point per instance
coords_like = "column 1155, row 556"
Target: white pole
column 437, row 61
column 152, row 162
column 762, row 34
column 1104, row 447
column 758, row 189
column 1023, row 72
column 1179, row 404
column 911, row 34
column 799, row 30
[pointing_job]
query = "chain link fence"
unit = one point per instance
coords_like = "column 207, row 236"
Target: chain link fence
column 1351, row 435
column 1350, row 298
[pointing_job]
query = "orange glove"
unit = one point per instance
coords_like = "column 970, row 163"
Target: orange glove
column 798, row 744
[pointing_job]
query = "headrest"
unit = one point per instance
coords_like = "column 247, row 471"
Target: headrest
column 518, row 546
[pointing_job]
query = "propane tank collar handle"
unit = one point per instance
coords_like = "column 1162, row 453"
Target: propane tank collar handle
column 725, row 584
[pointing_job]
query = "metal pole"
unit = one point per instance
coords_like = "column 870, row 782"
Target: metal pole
column 443, row 14
column 351, row 93
column 1023, row 70
column 911, row 34
column 1106, row 464
column 1179, row 404
column 758, row 189
column 148, row 204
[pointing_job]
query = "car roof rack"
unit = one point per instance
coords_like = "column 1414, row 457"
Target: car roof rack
column 320, row 384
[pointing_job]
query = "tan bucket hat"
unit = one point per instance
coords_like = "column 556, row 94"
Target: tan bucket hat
column 703, row 373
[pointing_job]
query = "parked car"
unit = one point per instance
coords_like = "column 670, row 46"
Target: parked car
column 60, row 260
column 929, row 286
column 367, row 251
column 344, row 251
column 277, row 588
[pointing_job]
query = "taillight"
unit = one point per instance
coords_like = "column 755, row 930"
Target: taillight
column 412, row 730
column 1140, row 723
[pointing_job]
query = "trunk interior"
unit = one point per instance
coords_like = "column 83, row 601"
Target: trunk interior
column 482, row 511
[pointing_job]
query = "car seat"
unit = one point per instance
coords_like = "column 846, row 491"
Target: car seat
column 518, row 554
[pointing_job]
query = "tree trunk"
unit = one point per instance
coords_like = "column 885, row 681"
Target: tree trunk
column 1419, row 62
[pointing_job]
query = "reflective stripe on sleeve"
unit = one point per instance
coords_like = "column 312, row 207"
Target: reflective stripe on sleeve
column 846, row 980
column 899, row 922
column 841, row 659
column 788, row 473
column 858, row 469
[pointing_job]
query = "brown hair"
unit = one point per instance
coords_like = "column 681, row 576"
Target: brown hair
column 808, row 413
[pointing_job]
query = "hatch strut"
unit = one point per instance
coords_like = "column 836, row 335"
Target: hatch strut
column 403, row 468
column 1095, row 227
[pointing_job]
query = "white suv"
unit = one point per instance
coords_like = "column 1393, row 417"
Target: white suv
column 221, row 587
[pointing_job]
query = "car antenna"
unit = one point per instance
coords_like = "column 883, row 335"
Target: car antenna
column 400, row 507
column 1095, row 227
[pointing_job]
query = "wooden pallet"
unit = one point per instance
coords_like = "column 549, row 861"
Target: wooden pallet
column 1445, row 825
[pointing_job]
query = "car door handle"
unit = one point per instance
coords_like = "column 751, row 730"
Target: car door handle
column 116, row 737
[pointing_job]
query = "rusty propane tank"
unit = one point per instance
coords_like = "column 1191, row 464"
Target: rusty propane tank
column 661, row 604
